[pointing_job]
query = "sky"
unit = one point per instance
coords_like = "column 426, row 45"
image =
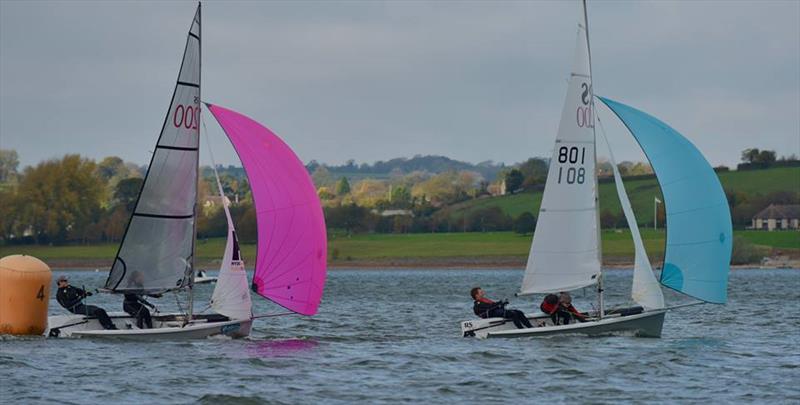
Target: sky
column 370, row 80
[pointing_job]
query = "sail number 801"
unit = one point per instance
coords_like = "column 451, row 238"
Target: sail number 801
column 572, row 155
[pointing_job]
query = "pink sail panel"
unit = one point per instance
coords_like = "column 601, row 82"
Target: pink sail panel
column 292, row 243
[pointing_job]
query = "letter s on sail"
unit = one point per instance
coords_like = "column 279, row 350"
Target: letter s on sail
column 585, row 94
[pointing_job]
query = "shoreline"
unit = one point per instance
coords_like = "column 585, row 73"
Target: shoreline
column 457, row 263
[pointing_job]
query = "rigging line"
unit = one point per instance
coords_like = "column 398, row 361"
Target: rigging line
column 605, row 138
column 686, row 305
column 211, row 156
column 272, row 315
column 178, row 301
column 214, row 166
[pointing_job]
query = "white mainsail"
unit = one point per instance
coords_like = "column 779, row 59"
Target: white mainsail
column 565, row 253
column 156, row 253
column 646, row 290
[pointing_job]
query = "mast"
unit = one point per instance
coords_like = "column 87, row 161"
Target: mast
column 190, row 313
column 597, row 196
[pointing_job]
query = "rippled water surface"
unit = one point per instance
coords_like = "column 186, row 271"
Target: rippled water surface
column 392, row 336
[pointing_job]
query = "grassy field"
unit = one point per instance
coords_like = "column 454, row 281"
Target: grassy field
column 473, row 244
column 641, row 193
column 617, row 246
column 776, row 240
column 208, row 251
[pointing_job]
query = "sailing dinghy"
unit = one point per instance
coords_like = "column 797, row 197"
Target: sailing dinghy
column 203, row 278
column 157, row 253
column 566, row 252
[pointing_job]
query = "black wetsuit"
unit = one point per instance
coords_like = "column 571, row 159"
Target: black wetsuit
column 71, row 298
column 135, row 306
column 497, row 310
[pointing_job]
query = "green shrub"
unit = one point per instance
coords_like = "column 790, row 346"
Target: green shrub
column 745, row 252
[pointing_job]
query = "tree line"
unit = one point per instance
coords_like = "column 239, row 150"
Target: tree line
column 78, row 200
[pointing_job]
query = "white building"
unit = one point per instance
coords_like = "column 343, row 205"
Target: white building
column 781, row 217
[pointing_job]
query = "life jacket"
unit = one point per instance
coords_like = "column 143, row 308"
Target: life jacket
column 549, row 304
column 548, row 308
column 482, row 306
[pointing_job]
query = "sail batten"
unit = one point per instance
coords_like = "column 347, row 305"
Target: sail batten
column 698, row 223
column 157, row 250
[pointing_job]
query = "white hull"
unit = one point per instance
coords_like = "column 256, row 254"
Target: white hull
column 166, row 327
column 205, row 280
column 643, row 324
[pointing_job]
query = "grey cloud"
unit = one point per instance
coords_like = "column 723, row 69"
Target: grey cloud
column 375, row 80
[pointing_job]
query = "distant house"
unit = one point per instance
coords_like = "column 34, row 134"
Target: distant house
column 782, row 217
column 211, row 203
column 497, row 188
column 396, row 213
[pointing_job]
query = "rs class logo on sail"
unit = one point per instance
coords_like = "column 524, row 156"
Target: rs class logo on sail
column 583, row 116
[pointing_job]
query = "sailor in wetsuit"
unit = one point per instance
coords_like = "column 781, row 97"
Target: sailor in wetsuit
column 134, row 305
column 486, row 308
column 560, row 309
column 71, row 298
column 551, row 306
column 565, row 302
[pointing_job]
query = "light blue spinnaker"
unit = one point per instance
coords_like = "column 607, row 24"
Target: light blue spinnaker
column 699, row 230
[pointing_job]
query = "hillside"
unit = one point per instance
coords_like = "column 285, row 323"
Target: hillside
column 641, row 193
column 428, row 163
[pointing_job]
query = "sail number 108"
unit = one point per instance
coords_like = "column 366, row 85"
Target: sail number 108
column 572, row 155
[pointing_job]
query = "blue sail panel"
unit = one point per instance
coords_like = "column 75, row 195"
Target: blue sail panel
column 699, row 230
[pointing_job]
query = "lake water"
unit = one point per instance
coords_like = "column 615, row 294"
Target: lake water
column 393, row 336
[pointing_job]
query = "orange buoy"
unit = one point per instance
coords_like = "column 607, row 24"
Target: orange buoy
column 24, row 295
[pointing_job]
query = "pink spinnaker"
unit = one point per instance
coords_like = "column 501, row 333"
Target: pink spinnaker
column 292, row 242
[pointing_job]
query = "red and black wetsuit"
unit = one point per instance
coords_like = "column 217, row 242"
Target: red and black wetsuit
column 549, row 308
column 574, row 312
column 558, row 314
column 486, row 308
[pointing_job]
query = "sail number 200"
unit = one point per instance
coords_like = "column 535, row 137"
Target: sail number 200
column 571, row 155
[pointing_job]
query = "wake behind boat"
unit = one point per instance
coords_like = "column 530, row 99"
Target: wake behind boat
column 566, row 252
column 157, row 252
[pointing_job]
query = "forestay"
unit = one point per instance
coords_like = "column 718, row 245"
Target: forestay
column 157, row 250
column 291, row 257
column 565, row 253
column 645, row 290
column 699, row 230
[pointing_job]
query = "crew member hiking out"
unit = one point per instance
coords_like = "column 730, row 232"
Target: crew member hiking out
column 71, row 298
column 486, row 308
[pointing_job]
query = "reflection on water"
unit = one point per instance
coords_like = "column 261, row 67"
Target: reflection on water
column 278, row 348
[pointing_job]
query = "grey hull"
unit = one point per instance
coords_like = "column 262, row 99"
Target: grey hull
column 165, row 327
column 646, row 324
